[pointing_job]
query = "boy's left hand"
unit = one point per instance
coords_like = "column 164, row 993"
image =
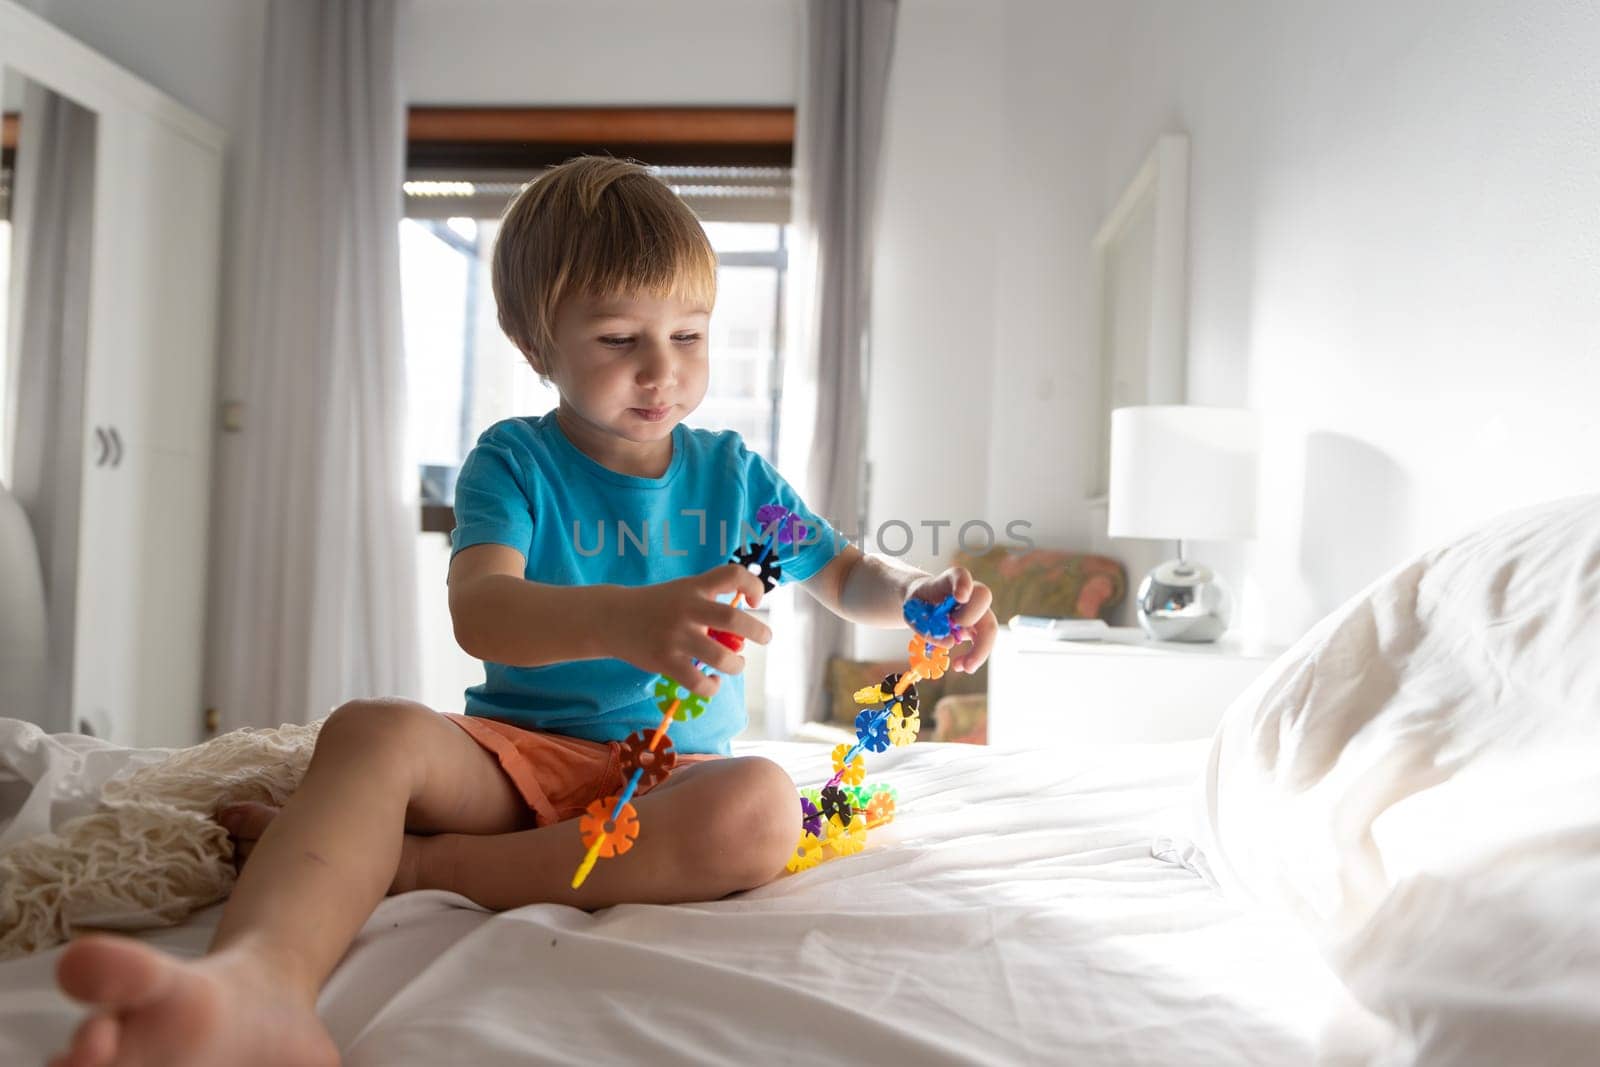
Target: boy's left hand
column 971, row 612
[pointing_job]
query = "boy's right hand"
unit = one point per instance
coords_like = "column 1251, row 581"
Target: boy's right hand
column 663, row 627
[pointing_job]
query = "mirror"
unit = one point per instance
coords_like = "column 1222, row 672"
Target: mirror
column 11, row 89
column 47, row 189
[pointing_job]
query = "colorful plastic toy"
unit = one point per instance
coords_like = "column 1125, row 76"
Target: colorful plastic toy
column 834, row 819
column 610, row 825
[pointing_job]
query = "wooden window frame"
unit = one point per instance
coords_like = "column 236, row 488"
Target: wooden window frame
column 528, row 138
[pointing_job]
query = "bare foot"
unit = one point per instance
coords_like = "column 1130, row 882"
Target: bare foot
column 247, row 821
column 231, row 1008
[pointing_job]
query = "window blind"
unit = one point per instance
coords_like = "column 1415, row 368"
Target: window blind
column 715, row 193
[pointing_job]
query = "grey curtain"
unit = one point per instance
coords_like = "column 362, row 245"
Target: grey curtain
column 838, row 142
column 54, row 219
column 314, row 585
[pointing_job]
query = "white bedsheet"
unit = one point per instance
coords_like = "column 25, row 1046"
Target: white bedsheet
column 1013, row 913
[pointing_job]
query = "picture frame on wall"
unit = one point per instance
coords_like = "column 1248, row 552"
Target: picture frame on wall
column 1141, row 278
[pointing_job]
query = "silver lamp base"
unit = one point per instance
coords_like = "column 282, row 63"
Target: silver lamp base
column 1181, row 600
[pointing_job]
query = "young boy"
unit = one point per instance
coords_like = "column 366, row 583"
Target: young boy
column 605, row 281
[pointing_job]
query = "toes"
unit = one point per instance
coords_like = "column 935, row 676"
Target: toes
column 94, row 1044
column 114, row 972
column 247, row 820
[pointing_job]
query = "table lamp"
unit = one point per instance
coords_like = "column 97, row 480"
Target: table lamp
column 1182, row 473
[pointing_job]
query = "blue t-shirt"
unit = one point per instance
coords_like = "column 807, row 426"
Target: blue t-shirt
column 578, row 523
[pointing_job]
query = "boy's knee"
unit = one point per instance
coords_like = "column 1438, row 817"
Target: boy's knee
column 374, row 727
column 756, row 822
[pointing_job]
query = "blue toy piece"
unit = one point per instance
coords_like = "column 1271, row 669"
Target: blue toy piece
column 930, row 620
column 872, row 729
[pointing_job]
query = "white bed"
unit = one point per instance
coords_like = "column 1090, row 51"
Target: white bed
column 1402, row 813
column 1013, row 913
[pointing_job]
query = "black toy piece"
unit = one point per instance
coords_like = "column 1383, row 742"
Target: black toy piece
column 755, row 558
column 836, row 802
column 908, row 699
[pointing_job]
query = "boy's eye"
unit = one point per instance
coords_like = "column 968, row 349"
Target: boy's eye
column 615, row 341
column 686, row 338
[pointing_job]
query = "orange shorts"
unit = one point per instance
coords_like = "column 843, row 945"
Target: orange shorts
column 558, row 776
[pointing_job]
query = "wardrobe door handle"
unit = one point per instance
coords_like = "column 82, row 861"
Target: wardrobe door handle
column 116, row 444
column 105, row 447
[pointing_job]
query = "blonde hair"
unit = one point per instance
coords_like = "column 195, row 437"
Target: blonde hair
column 597, row 227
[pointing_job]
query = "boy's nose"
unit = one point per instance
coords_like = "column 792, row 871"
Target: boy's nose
column 658, row 366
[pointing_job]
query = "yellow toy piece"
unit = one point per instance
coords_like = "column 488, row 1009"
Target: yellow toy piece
column 807, row 854
column 853, row 774
column 927, row 659
column 903, row 728
column 872, row 695
column 847, row 840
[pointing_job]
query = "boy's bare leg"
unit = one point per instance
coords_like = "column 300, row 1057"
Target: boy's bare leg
column 312, row 881
column 748, row 806
column 709, row 830
column 713, row 829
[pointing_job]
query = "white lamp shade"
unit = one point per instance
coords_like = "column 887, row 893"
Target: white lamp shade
column 1183, row 473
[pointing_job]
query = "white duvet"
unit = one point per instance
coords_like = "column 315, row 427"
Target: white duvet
column 1418, row 784
column 1014, row 913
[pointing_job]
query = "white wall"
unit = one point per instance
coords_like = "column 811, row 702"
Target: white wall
column 206, row 54
column 983, row 330
column 1057, row 59
column 933, row 298
column 203, row 53
column 1394, row 254
column 602, row 52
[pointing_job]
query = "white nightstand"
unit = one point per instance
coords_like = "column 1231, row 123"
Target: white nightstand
column 1124, row 688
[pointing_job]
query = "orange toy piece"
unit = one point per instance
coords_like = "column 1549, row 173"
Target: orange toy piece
column 880, row 809
column 927, row 659
column 616, row 840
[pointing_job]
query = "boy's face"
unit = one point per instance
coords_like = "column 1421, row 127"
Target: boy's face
column 628, row 368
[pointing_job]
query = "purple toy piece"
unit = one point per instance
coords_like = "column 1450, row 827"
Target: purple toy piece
column 810, row 817
column 789, row 528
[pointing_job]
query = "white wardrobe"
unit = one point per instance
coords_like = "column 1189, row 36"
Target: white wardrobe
column 128, row 415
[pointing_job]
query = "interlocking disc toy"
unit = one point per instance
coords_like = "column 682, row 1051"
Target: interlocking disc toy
column 834, row 819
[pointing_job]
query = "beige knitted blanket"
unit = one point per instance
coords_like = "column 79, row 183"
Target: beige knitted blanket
column 151, row 854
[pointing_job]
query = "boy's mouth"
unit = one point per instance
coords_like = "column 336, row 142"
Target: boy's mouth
column 651, row 414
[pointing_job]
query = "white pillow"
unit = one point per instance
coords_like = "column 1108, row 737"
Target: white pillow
column 1418, row 780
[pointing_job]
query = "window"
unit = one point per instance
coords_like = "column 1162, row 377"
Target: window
column 465, row 375
column 731, row 165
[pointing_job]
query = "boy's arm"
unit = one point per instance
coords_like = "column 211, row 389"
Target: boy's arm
column 501, row 617
column 872, row 590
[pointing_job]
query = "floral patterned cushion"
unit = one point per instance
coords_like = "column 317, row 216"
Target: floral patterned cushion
column 1049, row 582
